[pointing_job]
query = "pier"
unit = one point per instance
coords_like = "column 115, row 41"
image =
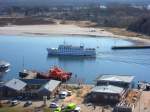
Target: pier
column 28, row 74
column 130, row 47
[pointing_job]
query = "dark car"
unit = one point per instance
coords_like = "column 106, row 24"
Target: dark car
column 54, row 105
column 28, row 103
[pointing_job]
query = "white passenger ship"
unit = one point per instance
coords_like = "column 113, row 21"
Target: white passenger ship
column 69, row 50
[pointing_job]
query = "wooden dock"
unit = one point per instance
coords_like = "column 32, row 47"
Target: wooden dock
column 29, row 74
column 129, row 47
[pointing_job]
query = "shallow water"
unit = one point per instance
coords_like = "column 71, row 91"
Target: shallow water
column 30, row 51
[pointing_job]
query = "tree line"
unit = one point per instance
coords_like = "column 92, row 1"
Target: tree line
column 114, row 15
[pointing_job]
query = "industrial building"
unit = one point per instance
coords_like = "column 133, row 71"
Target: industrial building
column 32, row 88
column 107, row 94
column 124, row 81
column 110, row 89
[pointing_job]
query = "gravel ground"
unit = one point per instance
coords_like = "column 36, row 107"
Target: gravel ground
column 144, row 103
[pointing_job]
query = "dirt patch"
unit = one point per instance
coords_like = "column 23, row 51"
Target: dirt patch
column 144, row 102
column 78, row 94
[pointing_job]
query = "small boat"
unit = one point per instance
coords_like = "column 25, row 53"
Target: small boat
column 4, row 66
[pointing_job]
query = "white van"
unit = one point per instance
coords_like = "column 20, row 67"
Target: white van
column 63, row 94
column 14, row 102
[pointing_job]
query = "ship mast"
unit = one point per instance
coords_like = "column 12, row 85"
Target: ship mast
column 23, row 62
column 64, row 42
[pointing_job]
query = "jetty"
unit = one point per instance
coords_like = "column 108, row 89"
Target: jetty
column 28, row 74
column 130, row 47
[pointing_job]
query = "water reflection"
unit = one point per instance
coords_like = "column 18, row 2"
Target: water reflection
column 71, row 58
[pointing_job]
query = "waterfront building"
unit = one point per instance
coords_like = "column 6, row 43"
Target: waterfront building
column 125, row 81
column 111, row 89
column 107, row 94
column 31, row 88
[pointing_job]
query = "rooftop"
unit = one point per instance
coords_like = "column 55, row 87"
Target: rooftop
column 35, row 81
column 51, row 85
column 116, row 78
column 108, row 89
column 70, row 46
column 15, row 84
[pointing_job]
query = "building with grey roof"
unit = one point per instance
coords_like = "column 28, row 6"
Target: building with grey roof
column 31, row 88
column 13, row 87
column 108, row 89
column 35, row 81
column 51, row 85
column 107, row 94
column 117, row 80
column 49, row 88
column 111, row 89
column 16, row 84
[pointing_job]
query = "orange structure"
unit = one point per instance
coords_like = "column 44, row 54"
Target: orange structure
column 55, row 73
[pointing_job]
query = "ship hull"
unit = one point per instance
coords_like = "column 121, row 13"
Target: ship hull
column 83, row 53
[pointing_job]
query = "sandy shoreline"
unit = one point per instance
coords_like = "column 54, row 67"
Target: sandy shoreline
column 64, row 29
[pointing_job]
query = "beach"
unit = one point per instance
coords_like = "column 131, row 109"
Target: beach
column 67, row 29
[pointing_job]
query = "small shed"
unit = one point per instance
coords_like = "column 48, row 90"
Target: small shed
column 14, row 87
column 109, row 94
column 49, row 89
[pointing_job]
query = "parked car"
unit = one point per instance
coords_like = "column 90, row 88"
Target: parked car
column 54, row 105
column 58, row 109
column 28, row 103
column 77, row 109
column 69, row 93
column 63, row 94
column 71, row 108
column 14, row 102
column 19, row 97
column 25, row 98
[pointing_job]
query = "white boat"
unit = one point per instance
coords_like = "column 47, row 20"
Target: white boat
column 4, row 66
column 69, row 50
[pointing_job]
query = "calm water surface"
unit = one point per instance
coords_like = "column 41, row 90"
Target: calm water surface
column 32, row 50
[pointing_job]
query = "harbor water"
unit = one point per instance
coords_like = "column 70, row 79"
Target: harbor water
column 29, row 52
